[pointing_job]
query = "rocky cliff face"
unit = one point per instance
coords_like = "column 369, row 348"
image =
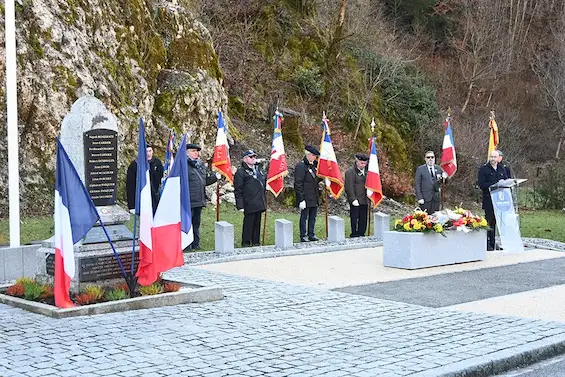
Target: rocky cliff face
column 142, row 58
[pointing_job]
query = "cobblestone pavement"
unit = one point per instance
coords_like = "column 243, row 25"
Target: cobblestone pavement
column 264, row 329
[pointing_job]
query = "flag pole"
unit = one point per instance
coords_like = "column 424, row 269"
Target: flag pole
column 370, row 205
column 326, row 200
column 218, row 201
column 443, row 185
column 265, row 220
column 132, row 273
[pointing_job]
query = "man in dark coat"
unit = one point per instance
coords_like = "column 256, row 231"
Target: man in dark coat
column 427, row 182
column 155, row 176
column 307, row 192
column 355, row 178
column 198, row 178
column 249, row 189
column 489, row 174
column 504, row 164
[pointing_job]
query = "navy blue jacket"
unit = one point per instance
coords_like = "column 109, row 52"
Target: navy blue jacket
column 487, row 177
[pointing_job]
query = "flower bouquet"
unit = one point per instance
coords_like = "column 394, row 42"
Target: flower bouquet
column 419, row 221
column 440, row 221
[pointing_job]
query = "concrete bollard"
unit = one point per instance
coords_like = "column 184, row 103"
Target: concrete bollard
column 224, row 236
column 381, row 223
column 283, row 233
column 336, row 229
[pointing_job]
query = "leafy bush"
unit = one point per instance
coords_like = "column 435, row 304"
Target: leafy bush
column 309, row 82
column 48, row 292
column 550, row 194
column 171, row 287
column 16, row 290
column 124, row 287
column 85, row 299
column 25, row 280
column 116, row 294
column 33, row 290
column 95, row 291
column 153, row 289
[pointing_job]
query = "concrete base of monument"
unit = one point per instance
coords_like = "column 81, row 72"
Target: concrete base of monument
column 189, row 293
column 95, row 263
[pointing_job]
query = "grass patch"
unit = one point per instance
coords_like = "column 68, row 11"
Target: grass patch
column 536, row 224
column 543, row 224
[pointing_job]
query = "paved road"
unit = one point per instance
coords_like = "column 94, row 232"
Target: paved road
column 265, row 329
column 455, row 288
column 550, row 368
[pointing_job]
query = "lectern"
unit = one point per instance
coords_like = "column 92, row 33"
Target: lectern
column 504, row 195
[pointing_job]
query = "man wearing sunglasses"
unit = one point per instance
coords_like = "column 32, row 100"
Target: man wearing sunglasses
column 427, row 183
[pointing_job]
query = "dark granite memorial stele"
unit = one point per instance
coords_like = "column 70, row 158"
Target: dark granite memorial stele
column 98, row 267
column 101, row 165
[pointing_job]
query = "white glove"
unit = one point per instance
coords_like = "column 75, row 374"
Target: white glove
column 444, row 175
column 355, row 203
column 242, row 210
column 218, row 176
column 302, row 205
column 132, row 211
column 421, row 201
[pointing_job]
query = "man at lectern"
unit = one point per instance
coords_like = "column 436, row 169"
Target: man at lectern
column 489, row 174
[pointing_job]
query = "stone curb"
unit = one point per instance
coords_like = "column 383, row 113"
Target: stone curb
column 212, row 257
column 184, row 296
column 502, row 361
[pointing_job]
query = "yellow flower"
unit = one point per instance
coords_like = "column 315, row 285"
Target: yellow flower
column 397, row 222
column 483, row 222
column 417, row 226
column 438, row 228
column 407, row 226
column 475, row 224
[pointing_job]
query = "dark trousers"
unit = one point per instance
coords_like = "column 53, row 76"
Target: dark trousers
column 251, row 229
column 196, row 218
column 309, row 214
column 358, row 217
column 430, row 207
column 155, row 201
column 491, row 234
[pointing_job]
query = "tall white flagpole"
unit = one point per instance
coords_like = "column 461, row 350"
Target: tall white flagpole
column 12, row 123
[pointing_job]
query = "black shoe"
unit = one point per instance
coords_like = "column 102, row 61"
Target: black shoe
column 256, row 244
column 304, row 239
column 313, row 238
column 245, row 244
column 499, row 248
column 195, row 247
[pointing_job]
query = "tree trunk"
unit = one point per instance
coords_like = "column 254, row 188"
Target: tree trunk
column 469, row 91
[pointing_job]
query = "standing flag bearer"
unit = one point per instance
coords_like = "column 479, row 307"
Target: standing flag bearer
column 75, row 214
column 221, row 160
column 172, row 224
column 373, row 183
column 327, row 166
column 278, row 168
column 448, row 157
column 146, row 272
column 494, row 139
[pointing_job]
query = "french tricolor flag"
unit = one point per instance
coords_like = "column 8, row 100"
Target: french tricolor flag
column 221, row 160
column 448, row 158
column 146, row 272
column 278, row 168
column 327, row 166
column 172, row 224
column 373, row 182
column 75, row 214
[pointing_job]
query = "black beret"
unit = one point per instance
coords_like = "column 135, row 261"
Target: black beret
column 249, row 153
column 361, row 157
column 312, row 150
column 193, row 146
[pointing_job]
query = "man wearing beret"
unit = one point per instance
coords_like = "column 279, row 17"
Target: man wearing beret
column 307, row 192
column 198, row 178
column 249, row 189
column 355, row 178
